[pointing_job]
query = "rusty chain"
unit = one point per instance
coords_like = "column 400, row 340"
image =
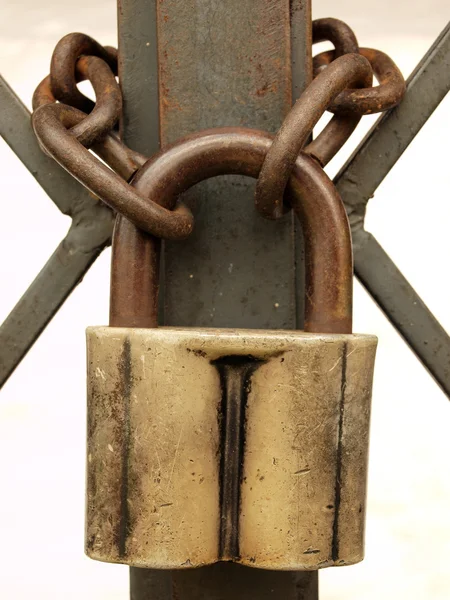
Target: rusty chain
column 68, row 125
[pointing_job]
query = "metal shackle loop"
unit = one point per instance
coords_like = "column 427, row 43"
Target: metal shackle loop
column 328, row 249
column 346, row 71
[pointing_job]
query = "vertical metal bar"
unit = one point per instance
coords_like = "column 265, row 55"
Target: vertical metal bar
column 301, row 60
column 219, row 63
column 224, row 64
column 138, row 74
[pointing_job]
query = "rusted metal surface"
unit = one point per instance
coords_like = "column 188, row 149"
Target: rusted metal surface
column 63, row 75
column 345, row 71
column 63, row 131
column 121, row 159
column 338, row 33
column 331, row 90
column 338, row 131
column 328, row 304
column 51, row 122
column 108, row 105
column 191, row 461
column 384, row 96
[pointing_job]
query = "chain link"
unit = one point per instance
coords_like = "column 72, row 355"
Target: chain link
column 68, row 125
column 384, row 96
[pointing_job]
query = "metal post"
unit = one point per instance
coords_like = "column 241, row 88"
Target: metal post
column 190, row 66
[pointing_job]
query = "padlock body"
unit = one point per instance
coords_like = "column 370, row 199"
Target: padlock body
column 241, row 445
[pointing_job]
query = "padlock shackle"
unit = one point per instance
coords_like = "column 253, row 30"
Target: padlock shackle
column 328, row 246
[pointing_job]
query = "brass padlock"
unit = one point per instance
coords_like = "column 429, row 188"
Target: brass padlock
column 221, row 444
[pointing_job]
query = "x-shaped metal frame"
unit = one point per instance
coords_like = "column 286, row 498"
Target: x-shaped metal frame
column 92, row 222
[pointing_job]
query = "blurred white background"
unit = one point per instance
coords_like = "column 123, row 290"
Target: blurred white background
column 42, row 407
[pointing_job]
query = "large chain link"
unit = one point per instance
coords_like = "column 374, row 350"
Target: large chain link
column 68, row 125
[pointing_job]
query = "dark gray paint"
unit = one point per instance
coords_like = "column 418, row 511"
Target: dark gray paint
column 227, row 64
column 138, row 74
column 219, row 583
column 225, row 581
column 403, row 307
column 150, row 584
column 357, row 182
column 89, row 233
column 237, row 270
column 301, row 38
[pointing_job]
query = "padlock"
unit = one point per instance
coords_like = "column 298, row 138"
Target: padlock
column 224, row 444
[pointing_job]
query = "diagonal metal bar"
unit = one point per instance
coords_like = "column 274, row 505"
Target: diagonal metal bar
column 357, row 182
column 89, row 233
column 16, row 130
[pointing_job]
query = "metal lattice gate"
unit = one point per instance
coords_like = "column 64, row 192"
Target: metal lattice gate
column 92, row 221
